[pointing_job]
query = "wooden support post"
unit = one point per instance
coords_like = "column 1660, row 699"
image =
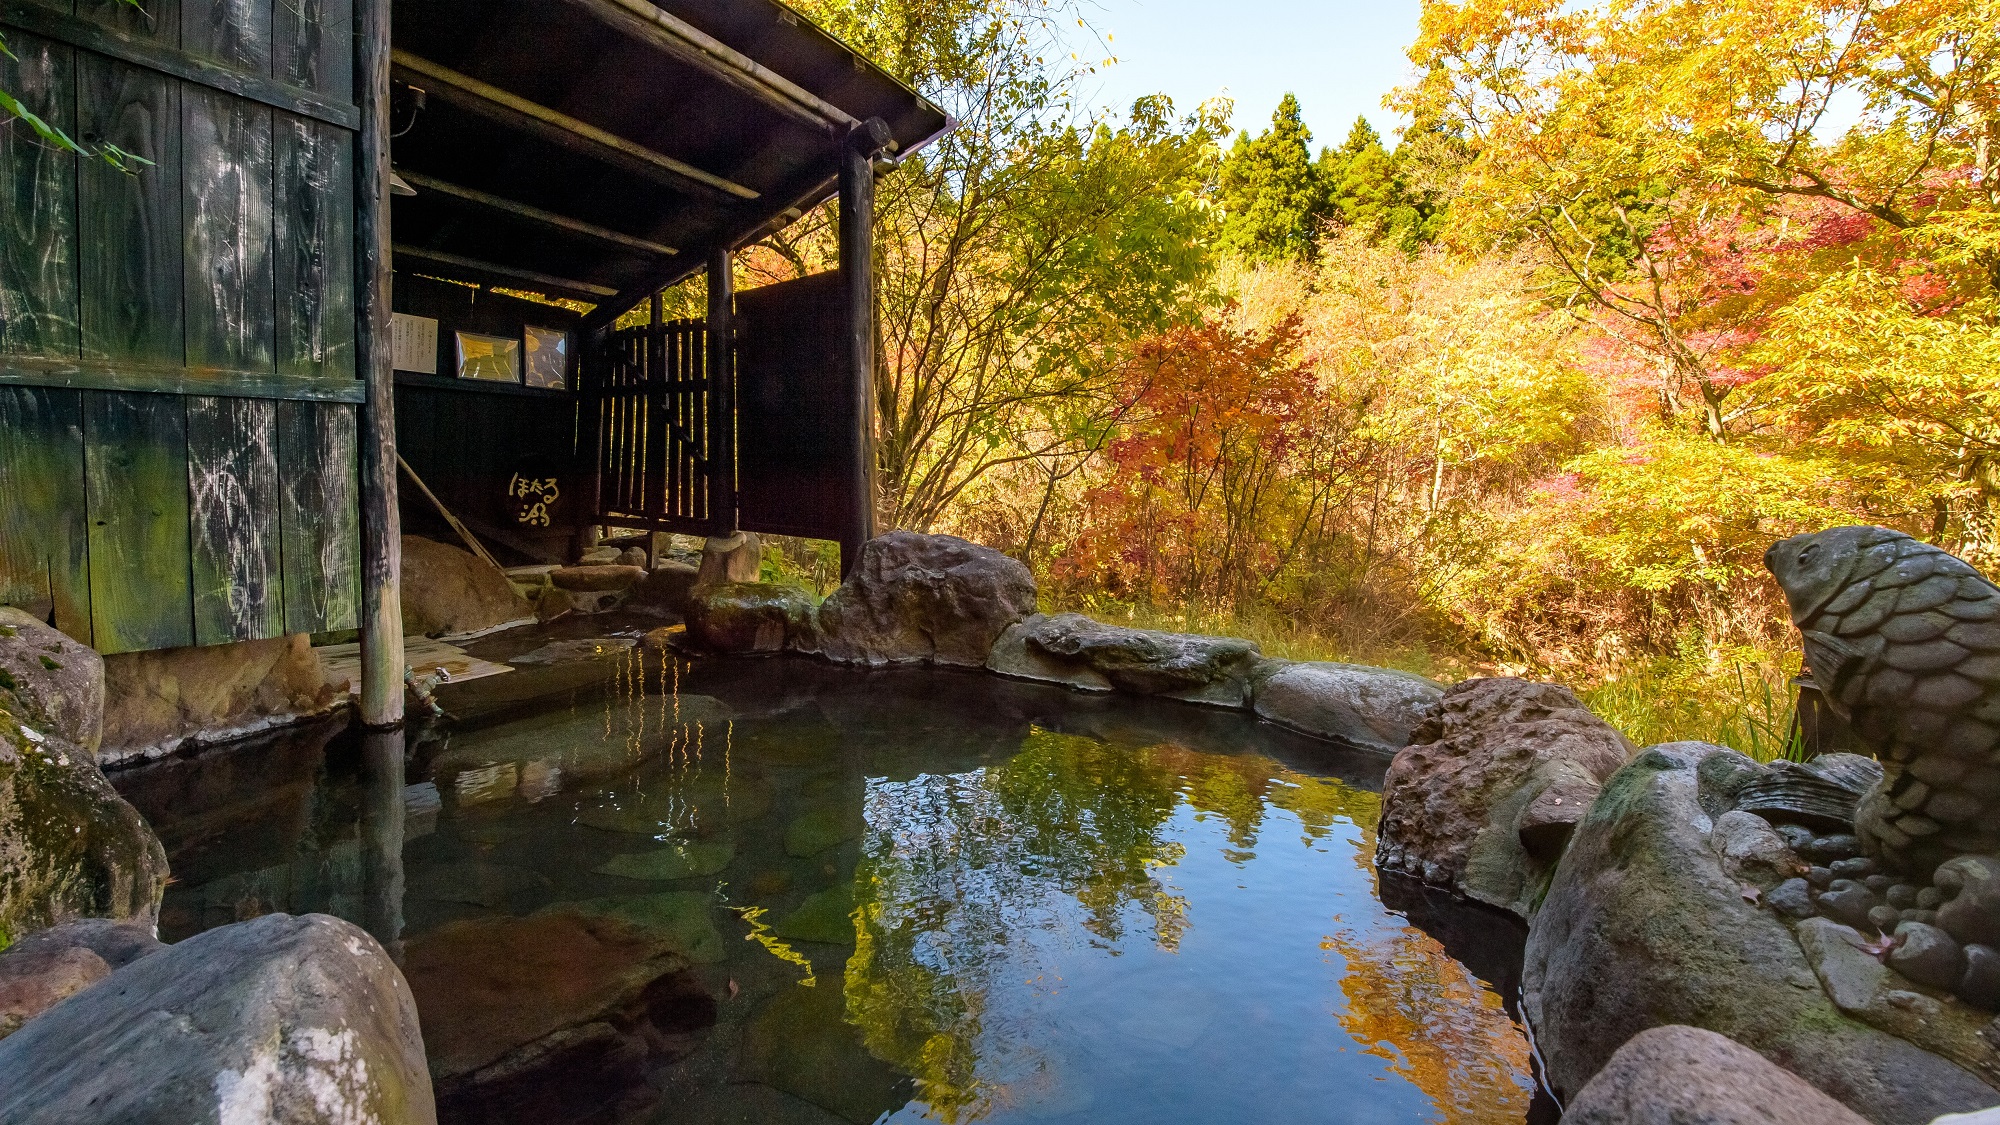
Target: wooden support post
column 720, row 354
column 590, row 428
column 382, row 830
column 857, row 278
column 381, row 524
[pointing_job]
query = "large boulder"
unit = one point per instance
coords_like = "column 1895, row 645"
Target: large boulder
column 158, row 702
column 924, row 599
column 451, row 592
column 1644, row 926
column 1686, row 1076
column 48, row 679
column 70, row 847
column 280, row 1019
column 747, row 617
column 51, row 965
column 1484, row 798
column 1072, row 649
column 1373, row 708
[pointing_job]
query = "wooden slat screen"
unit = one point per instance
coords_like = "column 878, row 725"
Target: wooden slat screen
column 649, row 396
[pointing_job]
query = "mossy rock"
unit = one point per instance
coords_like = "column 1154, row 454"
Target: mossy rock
column 680, row 861
column 798, row 742
column 826, row 917
column 70, row 846
column 684, row 920
column 801, row 1043
column 816, row 830
column 1643, row 927
column 749, row 616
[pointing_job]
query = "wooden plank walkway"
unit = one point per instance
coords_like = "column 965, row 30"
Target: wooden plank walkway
column 343, row 662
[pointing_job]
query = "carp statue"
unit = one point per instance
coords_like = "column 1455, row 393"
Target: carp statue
column 1904, row 641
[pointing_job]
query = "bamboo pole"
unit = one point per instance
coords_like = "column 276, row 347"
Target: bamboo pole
column 471, row 542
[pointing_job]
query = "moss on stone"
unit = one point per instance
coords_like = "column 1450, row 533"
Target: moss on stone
column 826, row 917
column 69, row 845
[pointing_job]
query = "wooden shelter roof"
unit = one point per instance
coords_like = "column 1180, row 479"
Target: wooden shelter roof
column 600, row 149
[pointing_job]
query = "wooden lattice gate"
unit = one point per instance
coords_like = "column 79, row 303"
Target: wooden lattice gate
column 649, row 397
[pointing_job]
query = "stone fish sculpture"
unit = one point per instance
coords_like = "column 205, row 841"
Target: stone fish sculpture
column 1904, row 640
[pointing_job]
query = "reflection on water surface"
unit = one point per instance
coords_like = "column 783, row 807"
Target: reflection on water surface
column 778, row 891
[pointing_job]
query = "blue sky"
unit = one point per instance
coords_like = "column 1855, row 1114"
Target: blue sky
column 1338, row 56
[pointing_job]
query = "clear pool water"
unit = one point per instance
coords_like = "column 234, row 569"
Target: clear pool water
column 902, row 896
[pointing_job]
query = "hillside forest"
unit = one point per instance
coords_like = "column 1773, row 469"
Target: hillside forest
column 1527, row 388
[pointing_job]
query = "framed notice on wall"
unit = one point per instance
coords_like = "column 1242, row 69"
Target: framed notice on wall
column 548, row 358
column 495, row 359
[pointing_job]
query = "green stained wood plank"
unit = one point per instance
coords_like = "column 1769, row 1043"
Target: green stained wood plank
column 107, row 375
column 235, row 33
column 321, row 516
column 155, row 20
column 314, row 46
column 166, row 56
column 44, row 545
column 129, row 235
column 313, row 241
column 233, row 532
column 38, row 204
column 136, row 502
column 226, row 209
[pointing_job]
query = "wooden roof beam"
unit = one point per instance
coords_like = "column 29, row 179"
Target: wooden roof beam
column 507, row 274
column 648, row 23
column 559, row 128
column 535, row 214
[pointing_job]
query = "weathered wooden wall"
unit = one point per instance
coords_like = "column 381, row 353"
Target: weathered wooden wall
column 177, row 383
column 488, row 449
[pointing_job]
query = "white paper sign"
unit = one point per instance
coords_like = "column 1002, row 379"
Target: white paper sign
column 416, row 343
